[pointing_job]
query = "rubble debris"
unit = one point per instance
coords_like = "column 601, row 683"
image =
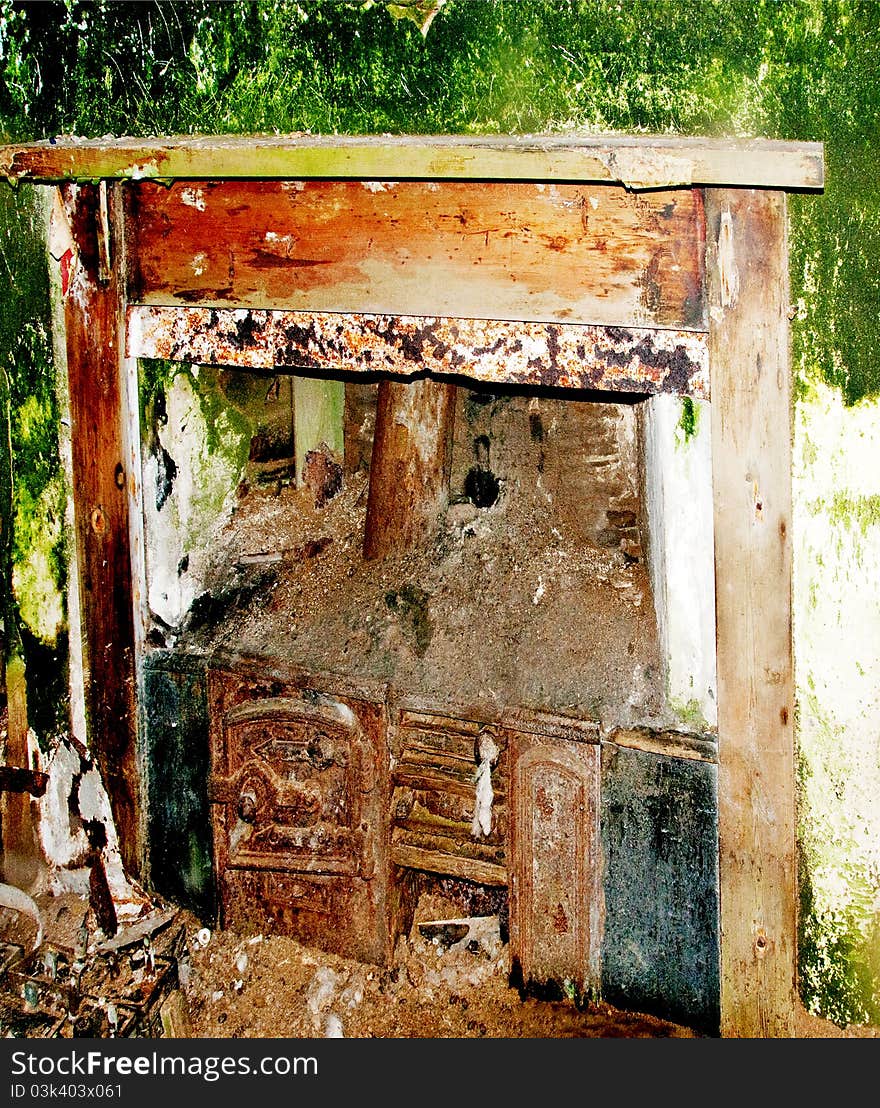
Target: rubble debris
column 69, row 987
column 333, row 1028
column 452, row 617
column 19, row 901
column 322, row 474
column 475, row 934
column 460, row 993
column 138, row 931
column 321, row 993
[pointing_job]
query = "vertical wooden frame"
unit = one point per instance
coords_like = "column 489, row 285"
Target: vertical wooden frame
column 751, row 473
column 93, row 315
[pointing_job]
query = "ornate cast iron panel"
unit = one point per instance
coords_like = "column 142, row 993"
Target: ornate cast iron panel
column 555, row 887
column 299, row 810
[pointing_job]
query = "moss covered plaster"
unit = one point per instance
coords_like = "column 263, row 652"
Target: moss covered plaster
column 196, row 438
column 688, row 422
column 837, row 657
column 34, row 574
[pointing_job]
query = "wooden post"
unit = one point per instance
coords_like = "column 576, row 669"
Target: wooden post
column 747, row 265
column 93, row 303
column 318, row 407
column 21, row 861
column 409, row 470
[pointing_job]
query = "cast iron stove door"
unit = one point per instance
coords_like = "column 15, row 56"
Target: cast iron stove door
column 297, row 815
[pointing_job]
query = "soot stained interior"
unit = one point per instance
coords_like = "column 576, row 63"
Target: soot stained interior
column 531, row 589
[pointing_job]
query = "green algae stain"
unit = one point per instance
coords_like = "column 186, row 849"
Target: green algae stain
column 33, row 576
column 39, row 492
column 856, row 512
column 227, row 426
column 689, row 715
column 688, row 422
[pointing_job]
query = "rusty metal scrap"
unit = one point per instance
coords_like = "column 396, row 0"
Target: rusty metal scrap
column 623, row 359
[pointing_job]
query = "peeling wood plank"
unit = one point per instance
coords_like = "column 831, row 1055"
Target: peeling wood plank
column 550, row 725
column 17, row 780
column 559, row 253
column 751, row 471
column 671, row 744
column 427, row 777
column 449, row 865
column 638, row 161
column 93, row 319
column 559, row 355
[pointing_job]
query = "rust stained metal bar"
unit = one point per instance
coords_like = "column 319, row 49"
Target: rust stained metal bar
column 642, row 360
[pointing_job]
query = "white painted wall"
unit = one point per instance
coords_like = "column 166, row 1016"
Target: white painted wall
column 836, row 616
column 677, row 490
column 201, row 502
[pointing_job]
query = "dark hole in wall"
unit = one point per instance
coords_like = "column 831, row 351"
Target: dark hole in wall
column 481, row 485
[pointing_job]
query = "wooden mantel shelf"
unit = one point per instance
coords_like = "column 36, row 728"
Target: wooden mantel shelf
column 637, row 162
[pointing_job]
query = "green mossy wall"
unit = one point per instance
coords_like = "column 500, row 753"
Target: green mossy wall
column 34, row 538
column 792, row 69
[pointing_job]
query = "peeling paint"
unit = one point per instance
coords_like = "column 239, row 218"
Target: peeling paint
column 727, row 272
column 138, row 172
column 194, row 198
column 637, row 360
column 636, row 169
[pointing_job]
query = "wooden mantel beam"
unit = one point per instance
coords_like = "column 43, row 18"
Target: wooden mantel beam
column 635, row 161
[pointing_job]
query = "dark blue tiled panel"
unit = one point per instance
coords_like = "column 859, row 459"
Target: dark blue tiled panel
column 177, row 765
column 660, row 844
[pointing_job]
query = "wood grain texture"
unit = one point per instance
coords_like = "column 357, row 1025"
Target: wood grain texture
column 637, row 161
column 318, row 410
column 93, row 312
column 448, row 865
column 751, row 466
column 21, row 860
column 565, row 253
column 433, row 798
column 409, row 471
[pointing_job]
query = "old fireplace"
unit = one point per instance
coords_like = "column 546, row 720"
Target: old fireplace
column 453, row 622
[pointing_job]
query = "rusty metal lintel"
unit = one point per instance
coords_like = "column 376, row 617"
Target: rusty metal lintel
column 574, row 356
